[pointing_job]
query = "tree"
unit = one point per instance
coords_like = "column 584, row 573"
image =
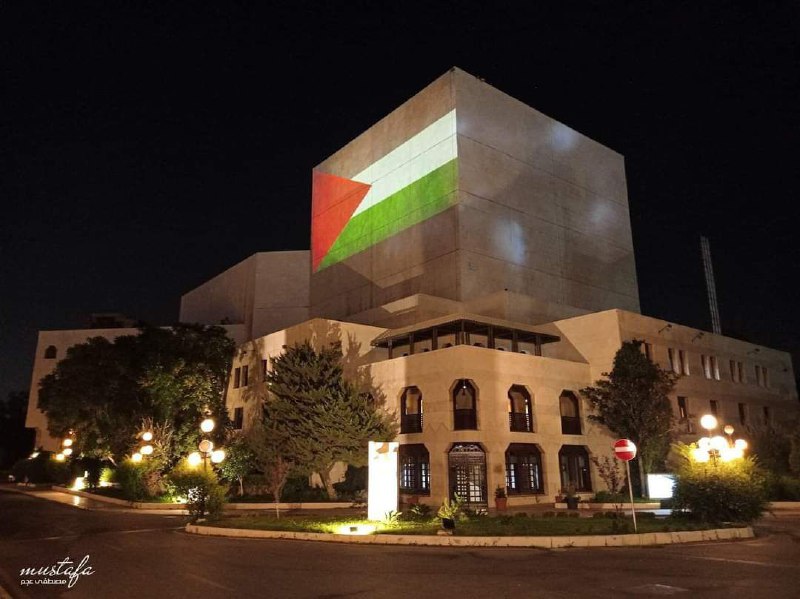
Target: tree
column 633, row 402
column 318, row 416
column 102, row 389
column 16, row 441
column 271, row 455
column 239, row 462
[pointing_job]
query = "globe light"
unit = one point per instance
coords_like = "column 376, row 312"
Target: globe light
column 194, row 459
column 34, row 455
column 207, row 425
column 147, row 436
column 700, row 455
column 206, row 446
column 218, row 455
column 727, row 454
column 708, row 422
column 146, row 450
column 704, row 443
column 67, row 443
column 67, row 451
column 60, row 457
column 136, row 457
column 728, row 430
column 719, row 443
column 740, row 444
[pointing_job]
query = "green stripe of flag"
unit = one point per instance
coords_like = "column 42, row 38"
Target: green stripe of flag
column 413, row 204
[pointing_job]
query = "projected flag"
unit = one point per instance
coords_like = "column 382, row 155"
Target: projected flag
column 402, row 188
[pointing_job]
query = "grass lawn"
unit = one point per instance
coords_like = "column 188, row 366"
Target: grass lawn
column 476, row 526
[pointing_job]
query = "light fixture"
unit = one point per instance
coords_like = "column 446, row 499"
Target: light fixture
column 147, row 436
column 666, row 327
column 708, row 422
column 34, row 455
column 146, row 450
column 67, row 442
column 136, row 457
column 206, row 446
column 740, row 444
column 217, row 456
column 728, row 430
column 67, row 451
column 60, row 457
column 207, row 425
column 194, row 459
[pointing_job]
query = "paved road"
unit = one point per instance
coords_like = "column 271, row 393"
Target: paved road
column 139, row 555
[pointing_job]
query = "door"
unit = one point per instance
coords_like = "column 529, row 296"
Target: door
column 467, row 467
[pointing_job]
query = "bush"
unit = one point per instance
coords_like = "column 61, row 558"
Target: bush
column 782, row 488
column 354, row 485
column 201, row 489
column 720, row 492
column 140, row 480
column 42, row 469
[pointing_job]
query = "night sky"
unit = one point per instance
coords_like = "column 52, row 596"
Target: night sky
column 147, row 146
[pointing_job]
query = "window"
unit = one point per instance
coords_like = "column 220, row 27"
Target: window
column 238, row 418
column 742, row 414
column 415, row 469
column 245, row 376
column 237, row 378
column 574, row 464
column 733, row 370
column 673, row 362
column 706, row 366
column 741, row 371
column 264, row 368
column 520, row 414
column 50, row 353
column 714, row 366
column 523, row 469
column 761, row 376
column 710, row 366
column 713, row 406
column 570, row 413
column 648, row 351
column 683, row 410
column 465, row 415
column 683, row 362
column 767, row 415
column 411, row 411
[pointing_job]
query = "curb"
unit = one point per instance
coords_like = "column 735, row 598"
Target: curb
column 630, row 540
column 610, row 506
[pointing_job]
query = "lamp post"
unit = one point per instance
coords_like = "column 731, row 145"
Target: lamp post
column 207, row 452
column 717, row 447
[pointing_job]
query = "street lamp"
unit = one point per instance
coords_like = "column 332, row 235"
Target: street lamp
column 207, row 425
column 147, row 436
column 717, row 447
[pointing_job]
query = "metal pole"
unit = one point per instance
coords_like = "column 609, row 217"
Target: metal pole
column 630, row 491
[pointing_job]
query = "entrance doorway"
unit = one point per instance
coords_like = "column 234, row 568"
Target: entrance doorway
column 467, row 467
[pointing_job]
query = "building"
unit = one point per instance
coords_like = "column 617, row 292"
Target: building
column 474, row 258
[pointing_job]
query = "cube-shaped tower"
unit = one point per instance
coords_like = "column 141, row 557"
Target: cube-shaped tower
column 466, row 195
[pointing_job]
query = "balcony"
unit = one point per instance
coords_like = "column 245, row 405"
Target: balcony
column 570, row 425
column 520, row 422
column 411, row 423
column 465, row 420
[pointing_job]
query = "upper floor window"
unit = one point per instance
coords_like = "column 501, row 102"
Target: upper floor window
column 238, row 418
column 264, row 368
column 465, row 413
column 710, row 366
column 51, row 352
column 713, row 406
column 245, row 376
column 683, row 408
column 570, row 413
column 762, row 375
column 523, row 469
column 411, row 410
column 742, row 414
column 737, row 371
column 415, row 469
column 237, row 378
column 648, row 350
column 683, row 362
column 520, row 415
column 673, row 360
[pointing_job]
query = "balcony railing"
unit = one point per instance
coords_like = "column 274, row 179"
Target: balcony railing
column 520, row 422
column 570, row 425
column 411, row 423
column 465, row 420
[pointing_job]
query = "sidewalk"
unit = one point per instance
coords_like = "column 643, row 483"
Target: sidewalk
column 84, row 503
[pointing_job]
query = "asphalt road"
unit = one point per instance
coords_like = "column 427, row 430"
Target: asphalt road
column 148, row 556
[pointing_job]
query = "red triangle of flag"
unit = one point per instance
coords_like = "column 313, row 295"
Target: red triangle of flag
column 333, row 201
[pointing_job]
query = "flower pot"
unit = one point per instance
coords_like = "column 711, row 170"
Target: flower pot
column 572, row 503
column 501, row 503
column 448, row 523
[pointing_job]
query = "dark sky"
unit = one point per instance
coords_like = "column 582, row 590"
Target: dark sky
column 147, row 146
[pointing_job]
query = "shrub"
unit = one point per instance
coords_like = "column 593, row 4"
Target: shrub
column 451, row 510
column 782, row 488
column 201, row 489
column 140, row 480
column 107, row 475
column 549, row 515
column 720, row 492
column 42, row 469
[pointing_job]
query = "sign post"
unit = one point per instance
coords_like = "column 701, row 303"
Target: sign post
column 625, row 450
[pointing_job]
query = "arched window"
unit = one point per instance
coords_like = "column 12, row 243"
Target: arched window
column 520, row 412
column 411, row 410
column 51, row 352
column 574, row 463
column 570, row 413
column 523, row 469
column 465, row 414
column 415, row 469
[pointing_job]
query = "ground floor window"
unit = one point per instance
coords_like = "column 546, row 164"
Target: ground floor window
column 574, row 463
column 415, row 469
column 523, row 469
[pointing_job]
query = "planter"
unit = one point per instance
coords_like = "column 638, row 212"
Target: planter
column 448, row 523
column 572, row 503
column 501, row 503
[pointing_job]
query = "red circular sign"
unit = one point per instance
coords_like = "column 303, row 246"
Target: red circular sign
column 625, row 450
